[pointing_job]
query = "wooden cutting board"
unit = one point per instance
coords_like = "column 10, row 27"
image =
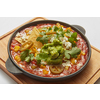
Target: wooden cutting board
column 88, row 76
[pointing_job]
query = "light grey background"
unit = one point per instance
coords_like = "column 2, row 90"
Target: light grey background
column 91, row 25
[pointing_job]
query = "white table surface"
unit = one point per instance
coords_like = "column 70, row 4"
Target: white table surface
column 91, row 24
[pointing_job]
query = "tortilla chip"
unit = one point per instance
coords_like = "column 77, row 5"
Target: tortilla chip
column 19, row 40
column 36, row 31
column 33, row 37
column 38, row 44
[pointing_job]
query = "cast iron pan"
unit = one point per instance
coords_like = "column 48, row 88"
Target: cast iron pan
column 13, row 68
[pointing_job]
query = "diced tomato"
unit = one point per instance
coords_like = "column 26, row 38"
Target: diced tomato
column 12, row 45
column 14, row 41
column 11, row 48
column 73, row 69
column 12, row 53
column 24, row 63
column 34, row 62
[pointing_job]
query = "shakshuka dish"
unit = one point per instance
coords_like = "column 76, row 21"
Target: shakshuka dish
column 49, row 50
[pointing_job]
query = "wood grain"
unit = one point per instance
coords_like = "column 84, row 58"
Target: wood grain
column 88, row 76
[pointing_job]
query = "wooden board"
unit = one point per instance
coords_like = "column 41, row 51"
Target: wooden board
column 88, row 76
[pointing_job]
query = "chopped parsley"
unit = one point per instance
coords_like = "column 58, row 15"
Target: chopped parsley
column 43, row 39
column 41, row 56
column 73, row 39
column 25, row 55
column 72, row 53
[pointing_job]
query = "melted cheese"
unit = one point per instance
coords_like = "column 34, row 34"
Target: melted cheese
column 68, row 45
column 68, row 63
column 79, row 65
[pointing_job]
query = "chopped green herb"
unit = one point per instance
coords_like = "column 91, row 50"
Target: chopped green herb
column 60, row 34
column 68, row 34
column 72, row 53
column 49, row 28
column 43, row 39
column 74, row 35
column 55, row 28
column 42, row 33
column 60, row 29
column 55, row 61
column 27, row 59
column 31, row 56
column 24, row 54
column 44, row 28
column 41, row 56
column 73, row 39
column 68, row 31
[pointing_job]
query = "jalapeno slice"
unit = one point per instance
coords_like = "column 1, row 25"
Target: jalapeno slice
column 56, row 69
column 26, row 45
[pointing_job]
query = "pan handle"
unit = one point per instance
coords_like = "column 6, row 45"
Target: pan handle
column 12, row 68
column 80, row 28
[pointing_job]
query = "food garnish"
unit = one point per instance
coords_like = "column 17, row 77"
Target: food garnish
column 73, row 39
column 26, row 45
column 27, row 56
column 52, row 53
column 56, row 69
column 72, row 53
